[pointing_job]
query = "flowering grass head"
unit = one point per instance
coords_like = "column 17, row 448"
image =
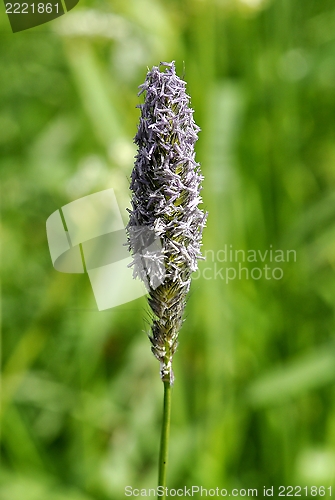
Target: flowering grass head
column 165, row 185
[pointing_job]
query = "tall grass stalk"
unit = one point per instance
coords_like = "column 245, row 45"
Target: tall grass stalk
column 164, row 446
column 166, row 184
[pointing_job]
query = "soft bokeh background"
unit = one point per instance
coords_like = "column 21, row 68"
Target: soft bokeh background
column 253, row 402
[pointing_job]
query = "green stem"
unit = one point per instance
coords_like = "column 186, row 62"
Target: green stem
column 163, row 454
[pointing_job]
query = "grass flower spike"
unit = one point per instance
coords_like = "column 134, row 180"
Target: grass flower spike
column 166, row 183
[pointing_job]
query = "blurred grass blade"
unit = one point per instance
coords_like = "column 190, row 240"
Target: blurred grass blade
column 297, row 377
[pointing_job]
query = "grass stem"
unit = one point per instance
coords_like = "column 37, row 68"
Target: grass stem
column 163, row 454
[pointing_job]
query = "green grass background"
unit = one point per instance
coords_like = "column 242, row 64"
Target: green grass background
column 253, row 403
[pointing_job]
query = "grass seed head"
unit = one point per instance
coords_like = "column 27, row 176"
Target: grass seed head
column 166, row 184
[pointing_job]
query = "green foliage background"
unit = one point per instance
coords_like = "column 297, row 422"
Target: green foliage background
column 253, row 402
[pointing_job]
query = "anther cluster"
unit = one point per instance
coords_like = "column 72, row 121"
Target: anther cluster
column 165, row 185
